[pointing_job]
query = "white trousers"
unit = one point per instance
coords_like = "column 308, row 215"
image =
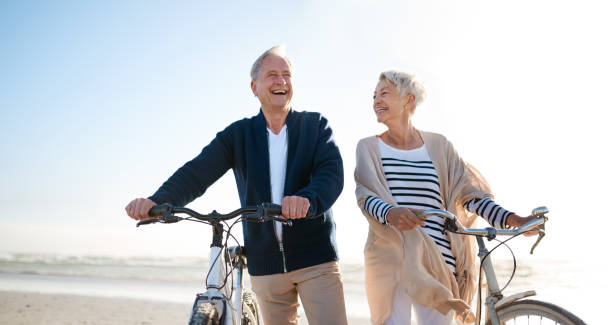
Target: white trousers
column 401, row 314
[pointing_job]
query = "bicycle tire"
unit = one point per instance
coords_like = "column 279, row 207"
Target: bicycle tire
column 534, row 312
column 205, row 313
column 250, row 309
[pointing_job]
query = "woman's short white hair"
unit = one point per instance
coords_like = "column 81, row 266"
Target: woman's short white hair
column 406, row 84
column 278, row 50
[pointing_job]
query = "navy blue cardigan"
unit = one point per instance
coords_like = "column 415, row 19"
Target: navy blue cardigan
column 314, row 171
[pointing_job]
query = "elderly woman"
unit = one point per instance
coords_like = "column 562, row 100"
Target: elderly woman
column 411, row 264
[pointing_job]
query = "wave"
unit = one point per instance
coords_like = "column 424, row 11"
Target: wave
column 189, row 268
column 128, row 267
column 174, row 268
column 68, row 259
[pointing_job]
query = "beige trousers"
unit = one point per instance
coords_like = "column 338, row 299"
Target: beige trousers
column 320, row 290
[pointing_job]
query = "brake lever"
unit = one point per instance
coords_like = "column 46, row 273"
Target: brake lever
column 539, row 212
column 541, row 234
column 168, row 218
column 147, row 221
column 285, row 222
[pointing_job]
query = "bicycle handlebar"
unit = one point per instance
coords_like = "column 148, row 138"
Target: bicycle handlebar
column 165, row 213
column 453, row 224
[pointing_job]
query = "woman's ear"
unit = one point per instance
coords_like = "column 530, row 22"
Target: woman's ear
column 411, row 99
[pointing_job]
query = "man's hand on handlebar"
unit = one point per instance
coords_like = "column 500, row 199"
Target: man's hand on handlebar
column 295, row 207
column 139, row 208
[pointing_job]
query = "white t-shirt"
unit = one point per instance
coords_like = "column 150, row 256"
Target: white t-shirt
column 277, row 148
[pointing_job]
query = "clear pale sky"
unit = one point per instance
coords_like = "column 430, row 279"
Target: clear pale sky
column 102, row 101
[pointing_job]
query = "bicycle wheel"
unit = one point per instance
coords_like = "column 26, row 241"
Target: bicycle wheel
column 205, row 313
column 250, row 309
column 535, row 312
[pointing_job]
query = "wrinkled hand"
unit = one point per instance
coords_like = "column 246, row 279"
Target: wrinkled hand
column 139, row 208
column 404, row 218
column 295, row 207
column 517, row 221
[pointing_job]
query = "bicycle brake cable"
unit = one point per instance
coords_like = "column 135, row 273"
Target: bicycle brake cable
column 513, row 262
column 481, row 269
column 214, row 261
column 210, row 268
column 229, row 266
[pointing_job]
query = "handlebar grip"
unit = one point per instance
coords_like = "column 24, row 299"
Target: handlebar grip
column 159, row 210
column 271, row 209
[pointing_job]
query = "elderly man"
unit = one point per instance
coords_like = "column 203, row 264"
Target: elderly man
column 286, row 157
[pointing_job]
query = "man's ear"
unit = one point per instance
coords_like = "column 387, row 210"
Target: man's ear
column 254, row 88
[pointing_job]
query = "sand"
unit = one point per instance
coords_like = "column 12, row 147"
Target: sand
column 35, row 308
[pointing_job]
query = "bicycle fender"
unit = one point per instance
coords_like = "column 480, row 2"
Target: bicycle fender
column 506, row 300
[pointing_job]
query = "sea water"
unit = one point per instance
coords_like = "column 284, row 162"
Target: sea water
column 579, row 287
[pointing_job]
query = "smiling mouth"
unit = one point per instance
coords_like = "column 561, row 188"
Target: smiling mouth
column 380, row 109
column 279, row 92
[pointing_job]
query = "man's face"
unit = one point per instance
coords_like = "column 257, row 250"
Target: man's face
column 273, row 83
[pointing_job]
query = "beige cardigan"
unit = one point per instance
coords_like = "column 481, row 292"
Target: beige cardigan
column 411, row 258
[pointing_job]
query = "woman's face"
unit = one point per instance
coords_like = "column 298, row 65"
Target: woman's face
column 389, row 105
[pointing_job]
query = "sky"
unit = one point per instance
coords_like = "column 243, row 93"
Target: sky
column 102, row 101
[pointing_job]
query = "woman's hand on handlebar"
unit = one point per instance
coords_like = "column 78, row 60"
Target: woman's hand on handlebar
column 139, row 208
column 295, row 207
column 517, row 221
column 404, row 218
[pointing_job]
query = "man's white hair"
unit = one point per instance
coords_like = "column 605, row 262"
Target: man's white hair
column 278, row 50
column 406, row 84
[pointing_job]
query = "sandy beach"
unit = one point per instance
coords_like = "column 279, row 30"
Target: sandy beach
column 36, row 308
column 18, row 308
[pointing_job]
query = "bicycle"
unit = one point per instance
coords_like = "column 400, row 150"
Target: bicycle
column 215, row 306
column 500, row 309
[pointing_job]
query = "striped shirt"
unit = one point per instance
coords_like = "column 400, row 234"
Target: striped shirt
column 414, row 184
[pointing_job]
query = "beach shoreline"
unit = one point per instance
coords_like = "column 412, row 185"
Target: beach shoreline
column 51, row 309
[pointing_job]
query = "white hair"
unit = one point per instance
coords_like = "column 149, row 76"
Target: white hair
column 278, row 50
column 406, row 84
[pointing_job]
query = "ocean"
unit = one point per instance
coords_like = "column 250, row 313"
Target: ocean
column 178, row 279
